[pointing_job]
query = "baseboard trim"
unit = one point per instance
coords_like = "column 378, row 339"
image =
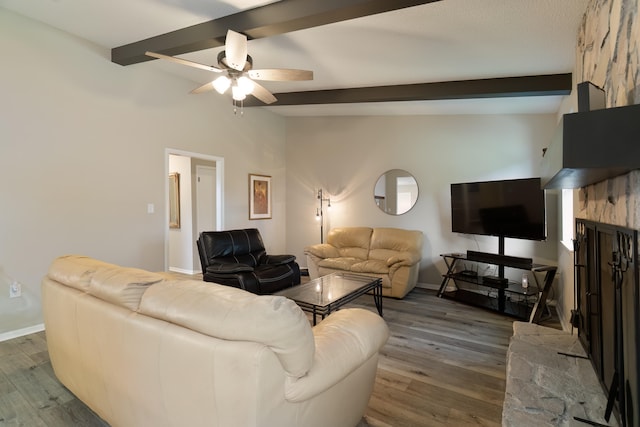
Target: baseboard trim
column 21, row 332
column 184, row 271
column 429, row 286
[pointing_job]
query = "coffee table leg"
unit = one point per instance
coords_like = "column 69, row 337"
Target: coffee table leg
column 314, row 316
column 377, row 298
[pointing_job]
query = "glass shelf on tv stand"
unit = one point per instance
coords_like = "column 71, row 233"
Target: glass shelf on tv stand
column 509, row 298
column 509, row 287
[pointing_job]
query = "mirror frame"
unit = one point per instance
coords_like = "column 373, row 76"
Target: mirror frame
column 380, row 194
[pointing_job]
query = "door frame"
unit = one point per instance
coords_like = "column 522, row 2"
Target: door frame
column 219, row 161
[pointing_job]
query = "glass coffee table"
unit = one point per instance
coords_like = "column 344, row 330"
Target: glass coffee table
column 325, row 294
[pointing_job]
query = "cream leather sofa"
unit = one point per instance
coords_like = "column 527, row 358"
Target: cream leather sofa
column 392, row 254
column 141, row 349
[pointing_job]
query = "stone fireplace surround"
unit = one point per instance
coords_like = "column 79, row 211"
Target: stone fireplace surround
column 608, row 55
column 546, row 385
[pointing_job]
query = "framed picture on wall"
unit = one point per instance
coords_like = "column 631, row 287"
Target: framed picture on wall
column 259, row 196
column 174, row 200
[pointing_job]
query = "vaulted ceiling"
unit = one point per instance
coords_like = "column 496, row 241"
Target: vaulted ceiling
column 368, row 56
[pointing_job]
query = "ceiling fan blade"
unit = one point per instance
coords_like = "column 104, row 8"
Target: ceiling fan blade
column 281, row 74
column 236, row 50
column 183, row 62
column 204, row 88
column 263, row 94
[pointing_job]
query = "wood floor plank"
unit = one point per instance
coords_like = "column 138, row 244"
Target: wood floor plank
column 444, row 365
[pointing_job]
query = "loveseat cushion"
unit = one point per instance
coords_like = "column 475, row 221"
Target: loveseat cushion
column 388, row 242
column 233, row 314
column 344, row 263
column 351, row 241
column 373, row 266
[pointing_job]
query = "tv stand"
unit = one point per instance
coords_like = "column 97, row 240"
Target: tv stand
column 496, row 292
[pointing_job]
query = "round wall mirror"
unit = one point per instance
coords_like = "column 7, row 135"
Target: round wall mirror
column 396, row 192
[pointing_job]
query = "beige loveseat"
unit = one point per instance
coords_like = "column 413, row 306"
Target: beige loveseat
column 141, row 349
column 392, row 254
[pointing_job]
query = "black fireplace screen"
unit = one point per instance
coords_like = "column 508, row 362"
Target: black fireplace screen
column 606, row 280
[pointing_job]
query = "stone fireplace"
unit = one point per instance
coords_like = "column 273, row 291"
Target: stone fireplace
column 608, row 55
column 541, row 379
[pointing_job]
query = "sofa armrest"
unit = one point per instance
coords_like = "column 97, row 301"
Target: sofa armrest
column 228, row 268
column 403, row 258
column 322, row 250
column 344, row 341
column 279, row 259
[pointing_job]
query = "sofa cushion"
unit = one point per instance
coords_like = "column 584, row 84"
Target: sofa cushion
column 122, row 286
column 75, row 270
column 387, row 242
column 351, row 241
column 233, row 314
column 344, row 263
column 371, row 266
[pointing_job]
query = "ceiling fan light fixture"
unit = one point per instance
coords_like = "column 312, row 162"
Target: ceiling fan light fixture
column 246, row 84
column 221, row 84
column 237, row 93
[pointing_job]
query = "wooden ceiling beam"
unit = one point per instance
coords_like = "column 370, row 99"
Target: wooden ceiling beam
column 272, row 19
column 543, row 85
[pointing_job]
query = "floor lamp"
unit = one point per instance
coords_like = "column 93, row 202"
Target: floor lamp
column 320, row 213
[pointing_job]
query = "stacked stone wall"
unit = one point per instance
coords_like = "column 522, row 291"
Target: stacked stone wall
column 608, row 56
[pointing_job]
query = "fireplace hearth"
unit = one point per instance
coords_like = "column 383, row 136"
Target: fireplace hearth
column 607, row 297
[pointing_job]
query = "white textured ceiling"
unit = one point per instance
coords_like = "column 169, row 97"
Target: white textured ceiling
column 442, row 41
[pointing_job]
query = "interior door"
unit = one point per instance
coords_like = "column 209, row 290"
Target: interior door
column 205, row 198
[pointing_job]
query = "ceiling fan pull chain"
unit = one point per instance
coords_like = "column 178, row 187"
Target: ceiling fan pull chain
column 235, row 107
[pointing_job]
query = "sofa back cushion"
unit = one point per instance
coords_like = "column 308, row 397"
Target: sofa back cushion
column 233, row 314
column 121, row 286
column 75, row 271
column 351, row 241
column 234, row 246
column 388, row 242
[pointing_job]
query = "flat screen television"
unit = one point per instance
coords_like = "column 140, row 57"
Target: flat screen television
column 509, row 208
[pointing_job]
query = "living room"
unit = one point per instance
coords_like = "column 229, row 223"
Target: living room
column 85, row 148
column 90, row 147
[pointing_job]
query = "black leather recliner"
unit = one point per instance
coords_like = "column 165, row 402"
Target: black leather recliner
column 238, row 258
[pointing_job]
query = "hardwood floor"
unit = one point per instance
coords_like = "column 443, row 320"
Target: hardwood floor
column 444, row 365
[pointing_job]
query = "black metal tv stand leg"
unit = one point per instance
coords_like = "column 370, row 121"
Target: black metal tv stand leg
column 445, row 279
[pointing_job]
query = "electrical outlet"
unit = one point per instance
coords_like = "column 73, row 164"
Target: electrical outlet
column 15, row 289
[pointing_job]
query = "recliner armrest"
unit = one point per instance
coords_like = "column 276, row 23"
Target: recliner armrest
column 222, row 268
column 279, row 259
column 344, row 341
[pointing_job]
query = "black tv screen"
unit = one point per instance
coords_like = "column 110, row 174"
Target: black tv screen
column 509, row 208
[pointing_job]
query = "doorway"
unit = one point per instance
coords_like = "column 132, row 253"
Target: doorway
column 201, row 184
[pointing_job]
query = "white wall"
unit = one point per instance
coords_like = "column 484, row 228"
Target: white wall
column 82, row 153
column 346, row 155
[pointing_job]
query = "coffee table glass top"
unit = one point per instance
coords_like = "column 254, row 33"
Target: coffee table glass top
column 327, row 289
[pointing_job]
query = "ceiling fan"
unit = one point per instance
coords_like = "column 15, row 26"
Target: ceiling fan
column 236, row 67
